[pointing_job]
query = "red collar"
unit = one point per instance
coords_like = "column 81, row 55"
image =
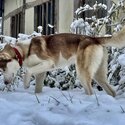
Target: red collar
column 18, row 56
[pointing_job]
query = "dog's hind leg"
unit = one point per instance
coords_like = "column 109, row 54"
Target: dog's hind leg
column 39, row 82
column 86, row 79
column 88, row 61
column 101, row 76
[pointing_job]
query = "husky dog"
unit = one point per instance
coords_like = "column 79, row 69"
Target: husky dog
column 46, row 53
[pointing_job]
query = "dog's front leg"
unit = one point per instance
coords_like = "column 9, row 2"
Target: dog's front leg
column 39, row 82
column 27, row 77
column 42, row 67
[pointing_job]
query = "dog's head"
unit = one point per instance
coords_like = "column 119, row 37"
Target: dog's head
column 8, row 63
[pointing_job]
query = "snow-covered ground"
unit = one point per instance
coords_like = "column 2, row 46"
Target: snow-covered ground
column 56, row 107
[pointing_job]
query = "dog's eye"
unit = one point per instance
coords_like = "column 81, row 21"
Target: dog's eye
column 5, row 60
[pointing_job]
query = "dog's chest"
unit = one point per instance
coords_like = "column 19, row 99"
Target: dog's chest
column 62, row 62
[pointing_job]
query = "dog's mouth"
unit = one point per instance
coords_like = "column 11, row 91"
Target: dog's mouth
column 4, row 60
column 7, row 78
column 2, row 75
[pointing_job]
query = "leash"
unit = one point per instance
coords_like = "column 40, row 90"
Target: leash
column 18, row 56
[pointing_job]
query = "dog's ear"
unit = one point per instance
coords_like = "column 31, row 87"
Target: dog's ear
column 5, row 53
column 4, row 60
column 5, row 57
column 7, row 47
column 3, row 63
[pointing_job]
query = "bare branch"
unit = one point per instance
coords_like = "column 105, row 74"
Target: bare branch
column 37, row 98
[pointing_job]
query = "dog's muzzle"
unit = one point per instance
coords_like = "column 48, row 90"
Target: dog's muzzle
column 7, row 78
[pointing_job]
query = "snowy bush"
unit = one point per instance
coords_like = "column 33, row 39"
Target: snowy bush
column 63, row 78
column 94, row 25
column 116, row 74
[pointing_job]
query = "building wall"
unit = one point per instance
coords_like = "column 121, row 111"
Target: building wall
column 0, row 25
column 66, row 13
column 6, row 28
column 30, row 1
column 29, row 21
column 63, row 18
column 11, row 5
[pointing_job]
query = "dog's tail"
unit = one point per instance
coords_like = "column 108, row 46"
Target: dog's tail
column 116, row 40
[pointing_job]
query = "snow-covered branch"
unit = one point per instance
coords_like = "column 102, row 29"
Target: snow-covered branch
column 94, row 25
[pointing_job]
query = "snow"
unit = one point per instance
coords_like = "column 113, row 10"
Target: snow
column 88, row 7
column 121, row 60
column 8, row 39
column 40, row 29
column 82, row 9
column 56, row 107
column 23, row 36
column 83, row 26
column 51, row 26
column 121, row 3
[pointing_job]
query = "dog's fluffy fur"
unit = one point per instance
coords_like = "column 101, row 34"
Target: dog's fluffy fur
column 50, row 52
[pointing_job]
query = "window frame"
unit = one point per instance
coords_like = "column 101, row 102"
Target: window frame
column 44, row 14
column 17, row 24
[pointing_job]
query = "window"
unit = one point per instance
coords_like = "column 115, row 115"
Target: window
column 1, row 7
column 44, row 15
column 0, row 25
column 17, row 24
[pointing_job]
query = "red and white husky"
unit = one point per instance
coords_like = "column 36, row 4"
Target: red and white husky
column 45, row 53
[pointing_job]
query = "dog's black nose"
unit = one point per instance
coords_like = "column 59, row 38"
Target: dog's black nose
column 6, row 82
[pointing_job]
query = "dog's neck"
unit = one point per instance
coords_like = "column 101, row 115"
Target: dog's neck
column 21, row 51
column 19, row 55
